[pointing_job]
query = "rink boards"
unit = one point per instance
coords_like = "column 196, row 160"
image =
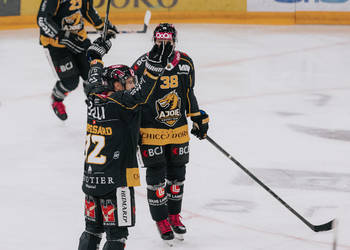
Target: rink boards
column 22, row 13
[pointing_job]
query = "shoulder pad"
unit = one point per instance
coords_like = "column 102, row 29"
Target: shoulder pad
column 186, row 57
column 184, row 54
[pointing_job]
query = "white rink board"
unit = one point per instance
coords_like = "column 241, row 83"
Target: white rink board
column 297, row 5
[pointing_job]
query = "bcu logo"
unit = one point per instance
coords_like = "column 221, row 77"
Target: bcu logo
column 315, row 1
column 9, row 7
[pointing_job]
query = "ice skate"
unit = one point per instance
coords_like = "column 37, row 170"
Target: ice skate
column 59, row 109
column 165, row 232
column 177, row 226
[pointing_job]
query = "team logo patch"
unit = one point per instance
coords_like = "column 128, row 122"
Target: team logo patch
column 168, row 109
column 175, row 189
column 90, row 209
column 160, row 192
column 108, row 209
column 73, row 22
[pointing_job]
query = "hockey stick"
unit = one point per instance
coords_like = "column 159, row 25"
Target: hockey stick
column 144, row 30
column 104, row 32
column 316, row 228
column 146, row 21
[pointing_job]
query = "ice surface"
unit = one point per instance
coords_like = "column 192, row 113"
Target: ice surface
column 278, row 99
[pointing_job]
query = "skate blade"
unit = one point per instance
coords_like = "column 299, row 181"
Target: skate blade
column 169, row 243
column 179, row 237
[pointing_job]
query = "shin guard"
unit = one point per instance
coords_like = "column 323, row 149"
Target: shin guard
column 114, row 244
column 89, row 241
column 174, row 190
column 157, row 201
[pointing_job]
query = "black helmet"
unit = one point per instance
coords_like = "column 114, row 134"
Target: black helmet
column 165, row 31
column 118, row 72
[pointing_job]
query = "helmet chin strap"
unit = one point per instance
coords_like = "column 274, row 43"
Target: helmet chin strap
column 174, row 60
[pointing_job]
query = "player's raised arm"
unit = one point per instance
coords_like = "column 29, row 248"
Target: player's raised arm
column 103, row 79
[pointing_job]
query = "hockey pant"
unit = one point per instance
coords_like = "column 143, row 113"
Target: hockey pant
column 112, row 214
column 68, row 67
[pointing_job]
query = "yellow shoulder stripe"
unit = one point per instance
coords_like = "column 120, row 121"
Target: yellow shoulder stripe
column 95, row 61
column 187, row 62
column 150, row 75
column 137, row 104
column 194, row 114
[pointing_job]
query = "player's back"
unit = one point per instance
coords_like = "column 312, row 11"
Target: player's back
column 111, row 142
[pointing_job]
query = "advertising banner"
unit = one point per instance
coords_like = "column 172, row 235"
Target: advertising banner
column 297, row 5
column 9, row 7
column 269, row 6
column 175, row 5
column 30, row 7
column 323, row 5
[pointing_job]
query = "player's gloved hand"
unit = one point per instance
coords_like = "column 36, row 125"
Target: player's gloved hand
column 112, row 30
column 94, row 84
column 94, row 88
column 157, row 58
column 98, row 49
column 200, row 125
column 73, row 42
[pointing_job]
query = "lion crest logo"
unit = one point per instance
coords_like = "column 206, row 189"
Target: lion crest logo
column 168, row 109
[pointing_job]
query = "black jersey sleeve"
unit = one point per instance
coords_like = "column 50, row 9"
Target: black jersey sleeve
column 192, row 104
column 139, row 95
column 95, row 73
column 91, row 15
column 139, row 66
column 47, row 11
column 129, row 100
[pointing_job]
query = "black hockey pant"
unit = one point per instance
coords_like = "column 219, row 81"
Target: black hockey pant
column 69, row 67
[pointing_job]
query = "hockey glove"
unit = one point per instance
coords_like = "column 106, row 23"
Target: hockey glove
column 157, row 58
column 200, row 125
column 98, row 49
column 73, row 42
column 112, row 30
column 94, row 85
column 94, row 88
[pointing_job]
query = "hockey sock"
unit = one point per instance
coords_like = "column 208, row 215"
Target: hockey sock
column 157, row 201
column 59, row 92
column 89, row 241
column 174, row 190
column 114, row 244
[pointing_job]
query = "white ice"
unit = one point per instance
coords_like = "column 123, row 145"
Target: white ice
column 278, row 99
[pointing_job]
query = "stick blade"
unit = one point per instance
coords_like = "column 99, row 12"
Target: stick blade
column 145, row 22
column 147, row 17
column 325, row 227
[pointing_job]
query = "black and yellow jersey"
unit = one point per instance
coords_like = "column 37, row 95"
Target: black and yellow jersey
column 164, row 118
column 65, row 15
column 112, row 134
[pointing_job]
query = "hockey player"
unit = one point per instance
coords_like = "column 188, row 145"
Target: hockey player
column 112, row 134
column 63, row 34
column 164, row 134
